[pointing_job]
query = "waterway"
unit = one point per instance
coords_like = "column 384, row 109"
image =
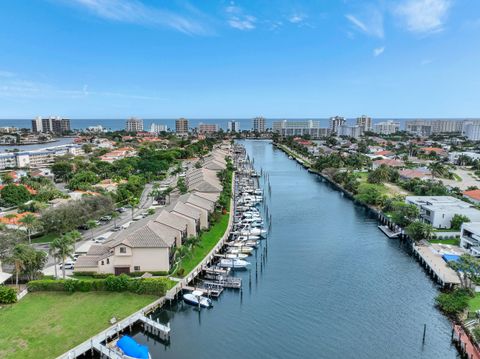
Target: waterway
column 333, row 286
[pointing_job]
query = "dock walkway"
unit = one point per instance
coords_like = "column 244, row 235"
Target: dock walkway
column 435, row 264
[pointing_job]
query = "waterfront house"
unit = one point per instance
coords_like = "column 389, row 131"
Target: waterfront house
column 470, row 238
column 181, row 209
column 147, row 248
column 387, row 162
column 203, row 180
column 473, row 195
column 420, row 173
column 196, row 201
column 186, row 226
column 439, row 210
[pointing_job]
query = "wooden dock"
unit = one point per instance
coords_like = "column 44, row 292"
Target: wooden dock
column 388, row 232
column 98, row 342
column 435, row 265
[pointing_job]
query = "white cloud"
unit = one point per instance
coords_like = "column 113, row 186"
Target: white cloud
column 6, row 73
column 424, row 16
column 297, row 18
column 373, row 25
column 237, row 18
column 378, row 51
column 135, row 12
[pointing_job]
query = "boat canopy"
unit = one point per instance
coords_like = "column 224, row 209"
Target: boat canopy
column 131, row 348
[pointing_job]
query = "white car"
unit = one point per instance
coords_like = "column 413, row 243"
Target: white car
column 126, row 225
column 68, row 265
column 137, row 218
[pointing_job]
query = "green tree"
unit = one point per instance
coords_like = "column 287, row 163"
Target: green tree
column 370, row 194
column 458, row 220
column 30, row 222
column 62, row 170
column 6, row 178
column 133, row 202
column 83, row 180
column 65, row 248
column 13, row 195
column 91, row 224
column 437, row 169
column 403, row 214
column 418, row 230
column 467, row 268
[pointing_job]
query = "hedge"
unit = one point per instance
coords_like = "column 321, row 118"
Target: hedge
column 122, row 283
column 7, row 295
column 131, row 274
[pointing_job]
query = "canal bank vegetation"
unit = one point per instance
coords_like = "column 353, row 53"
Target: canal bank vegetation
column 46, row 324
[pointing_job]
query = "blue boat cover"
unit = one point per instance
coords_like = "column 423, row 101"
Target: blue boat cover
column 131, row 348
column 450, row 257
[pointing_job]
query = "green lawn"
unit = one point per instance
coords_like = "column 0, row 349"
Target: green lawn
column 208, row 240
column 474, row 303
column 46, row 238
column 454, row 241
column 45, row 325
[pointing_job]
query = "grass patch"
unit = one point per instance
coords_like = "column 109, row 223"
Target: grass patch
column 453, row 241
column 208, row 240
column 474, row 303
column 45, row 325
column 46, row 238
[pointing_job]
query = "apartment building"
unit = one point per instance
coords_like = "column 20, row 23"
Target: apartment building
column 181, row 126
column 336, row 122
column 365, row 123
column 207, row 128
column 233, row 126
column 259, row 124
column 426, row 128
column 134, row 125
column 299, row 128
column 386, row 127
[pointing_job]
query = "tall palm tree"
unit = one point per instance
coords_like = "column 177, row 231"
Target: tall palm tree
column 114, row 216
column 91, row 224
column 18, row 260
column 75, row 235
column 133, row 202
column 53, row 251
column 65, row 249
column 30, row 222
column 437, row 169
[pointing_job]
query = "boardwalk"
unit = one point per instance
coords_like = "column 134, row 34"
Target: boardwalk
column 465, row 344
column 434, row 262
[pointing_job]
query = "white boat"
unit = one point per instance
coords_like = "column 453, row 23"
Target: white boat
column 196, row 298
column 236, row 255
column 233, row 263
column 246, row 238
column 236, row 250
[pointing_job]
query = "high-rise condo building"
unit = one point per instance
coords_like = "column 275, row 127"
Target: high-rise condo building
column 207, row 128
column 350, row 131
column 299, row 128
column 56, row 125
column 431, row 127
column 471, row 130
column 157, row 128
column 134, row 125
column 336, row 122
column 365, row 122
column 181, row 126
column 386, row 128
column 258, row 124
column 233, row 126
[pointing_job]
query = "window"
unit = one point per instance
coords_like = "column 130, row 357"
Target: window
column 136, row 268
column 108, row 260
column 102, row 263
column 123, row 249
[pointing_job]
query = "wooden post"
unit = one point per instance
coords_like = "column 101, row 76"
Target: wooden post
column 424, row 331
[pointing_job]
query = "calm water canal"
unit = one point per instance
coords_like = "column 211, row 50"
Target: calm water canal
column 333, row 286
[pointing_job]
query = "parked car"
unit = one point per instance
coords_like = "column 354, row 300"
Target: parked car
column 106, row 218
column 126, row 225
column 121, row 210
column 145, row 214
column 137, row 218
column 68, row 265
column 116, row 229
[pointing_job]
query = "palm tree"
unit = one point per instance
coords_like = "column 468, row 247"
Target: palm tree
column 91, row 224
column 133, row 202
column 65, row 248
column 437, row 169
column 53, row 251
column 114, row 216
column 75, row 235
column 30, row 222
column 18, row 260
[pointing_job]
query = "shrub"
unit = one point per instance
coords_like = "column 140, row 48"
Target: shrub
column 117, row 283
column 453, row 303
column 7, row 295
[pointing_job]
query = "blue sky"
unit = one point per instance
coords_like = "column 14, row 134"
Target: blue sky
column 222, row 59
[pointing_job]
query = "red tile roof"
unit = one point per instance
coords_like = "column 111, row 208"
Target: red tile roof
column 473, row 194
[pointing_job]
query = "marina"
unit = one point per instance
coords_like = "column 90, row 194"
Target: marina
column 317, row 248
